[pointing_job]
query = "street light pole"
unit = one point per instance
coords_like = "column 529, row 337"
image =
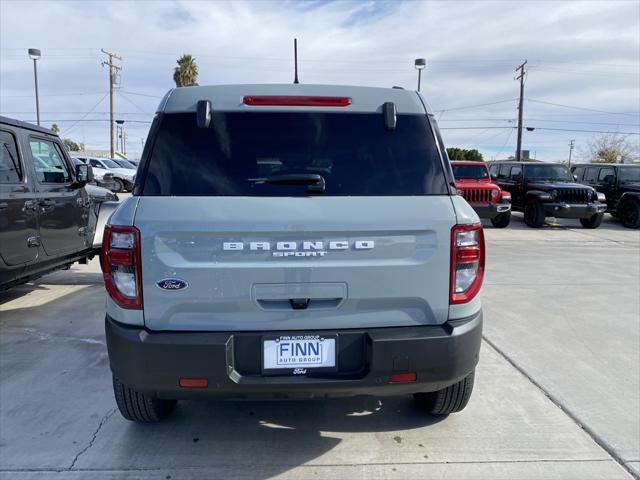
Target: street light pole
column 34, row 54
column 419, row 64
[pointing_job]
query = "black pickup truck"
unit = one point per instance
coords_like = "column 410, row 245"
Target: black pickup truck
column 621, row 185
column 47, row 216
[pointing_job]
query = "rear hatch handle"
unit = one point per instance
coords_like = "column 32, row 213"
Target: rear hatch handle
column 314, row 181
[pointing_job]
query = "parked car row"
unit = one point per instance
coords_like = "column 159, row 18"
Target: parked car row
column 541, row 190
column 116, row 174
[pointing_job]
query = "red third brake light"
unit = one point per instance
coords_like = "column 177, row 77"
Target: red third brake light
column 467, row 262
column 296, row 101
column 120, row 263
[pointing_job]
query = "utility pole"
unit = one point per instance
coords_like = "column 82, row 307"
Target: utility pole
column 112, row 69
column 571, row 143
column 519, row 141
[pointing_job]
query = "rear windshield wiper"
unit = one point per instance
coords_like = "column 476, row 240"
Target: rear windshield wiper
column 314, row 182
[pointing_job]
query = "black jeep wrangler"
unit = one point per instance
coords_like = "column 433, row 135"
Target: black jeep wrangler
column 548, row 189
column 621, row 185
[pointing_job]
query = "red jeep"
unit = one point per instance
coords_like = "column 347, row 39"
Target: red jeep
column 486, row 198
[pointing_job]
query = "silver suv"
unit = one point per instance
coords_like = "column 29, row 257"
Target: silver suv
column 292, row 241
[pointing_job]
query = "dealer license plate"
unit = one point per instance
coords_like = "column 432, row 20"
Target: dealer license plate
column 299, row 352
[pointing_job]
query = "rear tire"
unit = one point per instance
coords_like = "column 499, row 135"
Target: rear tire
column 534, row 214
column 448, row 400
column 119, row 185
column 629, row 212
column 139, row 407
column 502, row 220
column 593, row 221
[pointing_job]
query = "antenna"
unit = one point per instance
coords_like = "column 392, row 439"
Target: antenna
column 295, row 60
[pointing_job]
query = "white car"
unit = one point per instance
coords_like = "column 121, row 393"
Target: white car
column 102, row 177
column 123, row 177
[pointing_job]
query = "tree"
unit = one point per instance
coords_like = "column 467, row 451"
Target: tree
column 610, row 148
column 71, row 145
column 473, row 155
column 55, row 128
column 186, row 73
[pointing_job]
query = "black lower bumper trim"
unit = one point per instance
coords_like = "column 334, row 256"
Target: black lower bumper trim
column 490, row 210
column 573, row 210
column 153, row 362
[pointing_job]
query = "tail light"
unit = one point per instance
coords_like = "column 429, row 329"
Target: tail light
column 467, row 262
column 120, row 262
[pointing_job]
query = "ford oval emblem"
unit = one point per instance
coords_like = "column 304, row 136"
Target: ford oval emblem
column 172, row 284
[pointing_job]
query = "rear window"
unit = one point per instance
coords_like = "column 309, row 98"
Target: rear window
column 470, row 171
column 352, row 152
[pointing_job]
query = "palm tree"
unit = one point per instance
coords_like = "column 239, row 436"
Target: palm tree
column 186, row 73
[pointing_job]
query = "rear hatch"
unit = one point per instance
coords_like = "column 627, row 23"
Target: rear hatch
column 229, row 243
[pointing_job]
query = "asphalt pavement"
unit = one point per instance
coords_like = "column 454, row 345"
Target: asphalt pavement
column 557, row 389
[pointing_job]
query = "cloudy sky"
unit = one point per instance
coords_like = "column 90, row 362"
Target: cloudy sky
column 583, row 72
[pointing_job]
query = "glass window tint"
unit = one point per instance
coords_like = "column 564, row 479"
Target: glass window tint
column 110, row 163
column 493, row 170
column 579, row 172
column 547, row 172
column 607, row 172
column 353, row 152
column 10, row 168
column 630, row 174
column 504, row 171
column 470, row 171
column 516, row 172
column 591, row 175
column 48, row 161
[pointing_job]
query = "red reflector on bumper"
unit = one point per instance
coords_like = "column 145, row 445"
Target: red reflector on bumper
column 194, row 382
column 403, row 377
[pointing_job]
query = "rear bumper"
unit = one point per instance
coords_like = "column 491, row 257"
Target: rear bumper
column 571, row 210
column 490, row 210
column 153, row 362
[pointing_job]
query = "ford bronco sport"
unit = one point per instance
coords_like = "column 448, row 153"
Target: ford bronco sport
column 292, row 241
column 484, row 196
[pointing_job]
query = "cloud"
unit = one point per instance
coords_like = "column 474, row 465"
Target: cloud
column 579, row 53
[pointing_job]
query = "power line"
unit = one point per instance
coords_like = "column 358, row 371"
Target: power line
column 140, row 94
column 57, row 120
column 85, row 115
column 582, row 108
column 505, row 143
column 52, row 95
column 474, row 106
column 473, row 128
column 585, row 131
column 124, row 97
column 576, row 122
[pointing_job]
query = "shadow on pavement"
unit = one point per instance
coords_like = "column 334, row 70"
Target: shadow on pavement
column 268, row 438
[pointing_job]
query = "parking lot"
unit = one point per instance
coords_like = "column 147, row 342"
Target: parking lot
column 557, row 389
